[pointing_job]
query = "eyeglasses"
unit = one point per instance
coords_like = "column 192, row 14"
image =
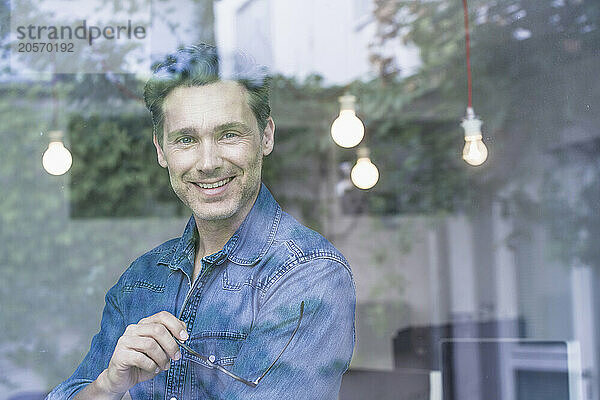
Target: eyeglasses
column 210, row 361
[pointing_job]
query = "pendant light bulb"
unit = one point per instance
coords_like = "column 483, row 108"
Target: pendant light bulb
column 474, row 153
column 364, row 174
column 57, row 159
column 347, row 130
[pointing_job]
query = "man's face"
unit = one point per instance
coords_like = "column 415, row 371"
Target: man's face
column 213, row 149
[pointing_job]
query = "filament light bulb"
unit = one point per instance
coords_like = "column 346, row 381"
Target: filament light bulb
column 364, row 174
column 474, row 153
column 57, row 160
column 347, row 130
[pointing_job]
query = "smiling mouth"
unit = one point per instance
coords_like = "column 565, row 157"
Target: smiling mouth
column 215, row 185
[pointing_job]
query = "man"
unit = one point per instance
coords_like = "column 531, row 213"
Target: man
column 247, row 303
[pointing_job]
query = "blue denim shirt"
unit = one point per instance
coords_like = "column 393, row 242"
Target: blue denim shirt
column 242, row 309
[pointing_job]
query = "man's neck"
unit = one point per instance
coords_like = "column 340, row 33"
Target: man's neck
column 213, row 235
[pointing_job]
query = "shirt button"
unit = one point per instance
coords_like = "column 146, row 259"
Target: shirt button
column 211, row 358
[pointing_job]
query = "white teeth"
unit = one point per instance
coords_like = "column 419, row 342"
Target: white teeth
column 214, row 185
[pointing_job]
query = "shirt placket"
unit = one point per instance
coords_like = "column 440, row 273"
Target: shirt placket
column 177, row 386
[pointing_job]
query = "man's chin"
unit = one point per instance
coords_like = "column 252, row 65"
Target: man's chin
column 219, row 215
column 211, row 211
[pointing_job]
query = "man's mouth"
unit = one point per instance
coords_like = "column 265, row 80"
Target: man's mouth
column 214, row 185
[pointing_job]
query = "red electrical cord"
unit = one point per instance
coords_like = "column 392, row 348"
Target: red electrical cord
column 468, row 42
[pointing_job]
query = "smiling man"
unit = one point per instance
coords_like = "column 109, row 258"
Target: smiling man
column 213, row 151
column 247, row 303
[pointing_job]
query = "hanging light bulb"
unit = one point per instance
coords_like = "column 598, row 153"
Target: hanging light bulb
column 56, row 159
column 364, row 174
column 347, row 130
column 474, row 152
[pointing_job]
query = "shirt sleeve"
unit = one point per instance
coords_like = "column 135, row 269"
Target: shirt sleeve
column 311, row 367
column 101, row 350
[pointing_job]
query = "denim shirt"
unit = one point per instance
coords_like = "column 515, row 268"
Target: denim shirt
column 242, row 310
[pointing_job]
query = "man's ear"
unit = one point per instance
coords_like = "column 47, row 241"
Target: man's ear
column 159, row 152
column 268, row 138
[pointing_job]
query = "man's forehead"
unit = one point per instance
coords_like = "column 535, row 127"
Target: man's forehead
column 221, row 92
column 216, row 102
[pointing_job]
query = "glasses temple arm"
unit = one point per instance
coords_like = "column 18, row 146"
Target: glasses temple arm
column 285, row 347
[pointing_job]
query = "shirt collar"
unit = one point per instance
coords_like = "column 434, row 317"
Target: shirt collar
column 248, row 244
column 256, row 234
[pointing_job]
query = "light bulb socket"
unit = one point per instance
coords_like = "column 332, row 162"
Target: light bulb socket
column 55, row 136
column 470, row 113
column 347, row 102
column 363, row 152
column 472, row 126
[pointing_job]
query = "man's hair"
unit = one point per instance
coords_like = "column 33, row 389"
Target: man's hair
column 199, row 65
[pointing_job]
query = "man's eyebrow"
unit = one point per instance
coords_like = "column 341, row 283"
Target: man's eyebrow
column 232, row 125
column 219, row 128
column 182, row 131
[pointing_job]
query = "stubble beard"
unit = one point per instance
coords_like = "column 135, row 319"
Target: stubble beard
column 227, row 209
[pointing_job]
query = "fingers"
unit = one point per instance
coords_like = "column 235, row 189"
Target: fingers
column 154, row 340
column 143, row 362
column 150, row 348
column 127, row 368
column 145, row 349
column 126, row 357
column 174, row 325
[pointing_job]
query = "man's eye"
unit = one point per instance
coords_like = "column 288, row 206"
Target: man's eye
column 230, row 135
column 184, row 140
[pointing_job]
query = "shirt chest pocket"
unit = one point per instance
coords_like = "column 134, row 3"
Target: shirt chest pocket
column 220, row 348
column 146, row 296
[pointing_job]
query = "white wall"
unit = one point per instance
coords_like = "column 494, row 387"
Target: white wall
column 296, row 38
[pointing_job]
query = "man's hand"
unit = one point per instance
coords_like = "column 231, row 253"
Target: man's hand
column 143, row 351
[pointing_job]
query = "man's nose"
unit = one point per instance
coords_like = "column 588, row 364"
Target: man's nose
column 209, row 158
